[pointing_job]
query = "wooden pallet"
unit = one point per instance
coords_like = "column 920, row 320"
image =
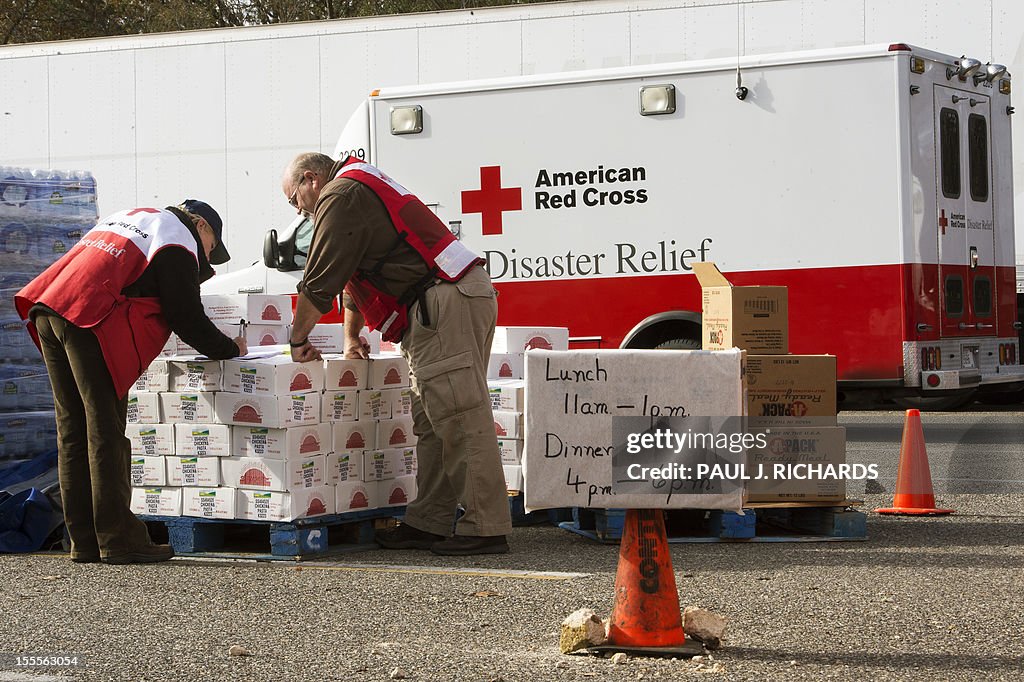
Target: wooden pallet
column 770, row 522
column 270, row 540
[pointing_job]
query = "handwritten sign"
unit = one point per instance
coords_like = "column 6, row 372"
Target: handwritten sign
column 572, row 397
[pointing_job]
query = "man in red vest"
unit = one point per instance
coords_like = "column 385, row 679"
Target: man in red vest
column 100, row 315
column 403, row 273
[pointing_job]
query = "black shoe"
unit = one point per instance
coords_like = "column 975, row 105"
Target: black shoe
column 146, row 555
column 465, row 545
column 406, row 537
column 85, row 557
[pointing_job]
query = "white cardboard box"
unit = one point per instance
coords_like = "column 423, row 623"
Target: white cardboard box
column 397, row 492
column 156, row 501
column 328, row 338
column 511, row 450
column 513, row 477
column 375, row 404
column 267, row 334
column 505, row 366
column 202, row 440
column 276, row 375
column 258, row 473
column 297, row 441
column 381, row 465
column 193, row 375
column 340, row 406
column 151, row 439
column 182, row 349
column 361, row 435
column 401, row 401
column 273, row 411
column 144, row 408
column 341, row 373
column 344, row 466
column 508, row 424
column 261, row 505
column 154, row 379
column 193, row 471
column 521, row 339
column 208, row 503
column 188, row 407
column 148, row 471
column 355, row 496
column 507, row 394
column 253, row 308
column 395, row 433
column 388, row 371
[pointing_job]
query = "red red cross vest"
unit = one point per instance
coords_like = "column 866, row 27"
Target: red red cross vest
column 84, row 287
column 447, row 258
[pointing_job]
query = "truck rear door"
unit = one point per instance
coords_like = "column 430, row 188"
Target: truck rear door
column 966, row 234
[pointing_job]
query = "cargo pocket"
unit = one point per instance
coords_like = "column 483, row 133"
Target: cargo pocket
column 449, row 387
column 475, row 289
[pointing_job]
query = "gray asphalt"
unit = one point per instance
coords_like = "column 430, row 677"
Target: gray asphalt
column 920, row 599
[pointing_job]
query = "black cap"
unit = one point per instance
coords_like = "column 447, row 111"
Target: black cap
column 202, row 209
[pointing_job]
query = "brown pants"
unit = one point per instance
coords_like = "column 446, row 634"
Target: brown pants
column 457, row 449
column 93, row 454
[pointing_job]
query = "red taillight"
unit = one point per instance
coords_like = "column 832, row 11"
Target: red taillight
column 933, row 380
column 899, row 47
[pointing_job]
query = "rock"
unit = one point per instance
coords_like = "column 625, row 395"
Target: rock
column 238, row 650
column 704, row 626
column 620, row 658
column 399, row 674
column 581, row 629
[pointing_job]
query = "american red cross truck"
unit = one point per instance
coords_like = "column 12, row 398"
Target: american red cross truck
column 873, row 181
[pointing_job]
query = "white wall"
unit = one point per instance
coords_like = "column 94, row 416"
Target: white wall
column 217, row 114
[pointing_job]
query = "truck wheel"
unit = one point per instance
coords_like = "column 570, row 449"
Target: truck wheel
column 679, row 344
column 944, row 403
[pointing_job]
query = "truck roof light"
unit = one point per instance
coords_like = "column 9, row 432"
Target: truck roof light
column 406, row 120
column 1004, row 86
column 989, row 73
column 962, row 68
column 899, row 47
column 657, row 99
column 916, row 64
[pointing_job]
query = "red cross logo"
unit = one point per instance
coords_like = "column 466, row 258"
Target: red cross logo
column 943, row 223
column 491, row 200
column 142, row 210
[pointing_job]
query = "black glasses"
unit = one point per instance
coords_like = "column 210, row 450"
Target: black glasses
column 294, row 198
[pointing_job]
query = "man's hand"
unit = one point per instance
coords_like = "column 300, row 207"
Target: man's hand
column 356, row 349
column 243, row 347
column 306, row 353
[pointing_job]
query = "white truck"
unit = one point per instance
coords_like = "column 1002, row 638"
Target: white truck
column 873, row 181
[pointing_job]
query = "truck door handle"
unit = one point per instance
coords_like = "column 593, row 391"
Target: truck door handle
column 964, row 325
column 924, row 327
column 974, row 257
column 982, row 325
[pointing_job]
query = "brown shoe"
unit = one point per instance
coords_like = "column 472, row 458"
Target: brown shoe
column 147, row 555
column 85, row 557
column 465, row 545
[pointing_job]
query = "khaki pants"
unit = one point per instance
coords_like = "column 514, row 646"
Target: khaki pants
column 93, row 454
column 457, row 449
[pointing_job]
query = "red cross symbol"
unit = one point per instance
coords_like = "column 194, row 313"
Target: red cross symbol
column 491, row 200
column 943, row 223
column 142, row 210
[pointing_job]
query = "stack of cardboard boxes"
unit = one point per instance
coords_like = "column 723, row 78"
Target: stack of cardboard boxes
column 791, row 398
column 505, row 379
column 266, row 438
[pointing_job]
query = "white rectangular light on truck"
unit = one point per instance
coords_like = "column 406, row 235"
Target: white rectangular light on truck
column 657, row 99
column 406, row 120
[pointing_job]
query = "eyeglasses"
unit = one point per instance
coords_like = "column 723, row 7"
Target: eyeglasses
column 294, row 198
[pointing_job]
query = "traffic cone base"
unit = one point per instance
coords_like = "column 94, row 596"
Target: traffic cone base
column 688, row 648
column 646, row 618
column 914, row 495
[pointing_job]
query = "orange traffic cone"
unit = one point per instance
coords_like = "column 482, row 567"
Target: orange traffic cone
column 646, row 618
column 913, row 479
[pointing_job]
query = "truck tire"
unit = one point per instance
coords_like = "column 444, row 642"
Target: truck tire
column 679, row 344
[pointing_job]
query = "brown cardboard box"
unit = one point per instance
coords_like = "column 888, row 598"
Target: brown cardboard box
column 795, row 465
column 755, row 319
column 791, row 390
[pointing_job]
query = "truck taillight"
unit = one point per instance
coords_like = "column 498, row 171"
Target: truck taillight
column 1007, row 354
column 931, row 359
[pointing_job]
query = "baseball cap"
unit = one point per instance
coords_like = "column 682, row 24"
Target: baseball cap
column 205, row 211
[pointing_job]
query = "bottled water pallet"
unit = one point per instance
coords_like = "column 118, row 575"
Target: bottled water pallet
column 760, row 522
column 297, row 540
